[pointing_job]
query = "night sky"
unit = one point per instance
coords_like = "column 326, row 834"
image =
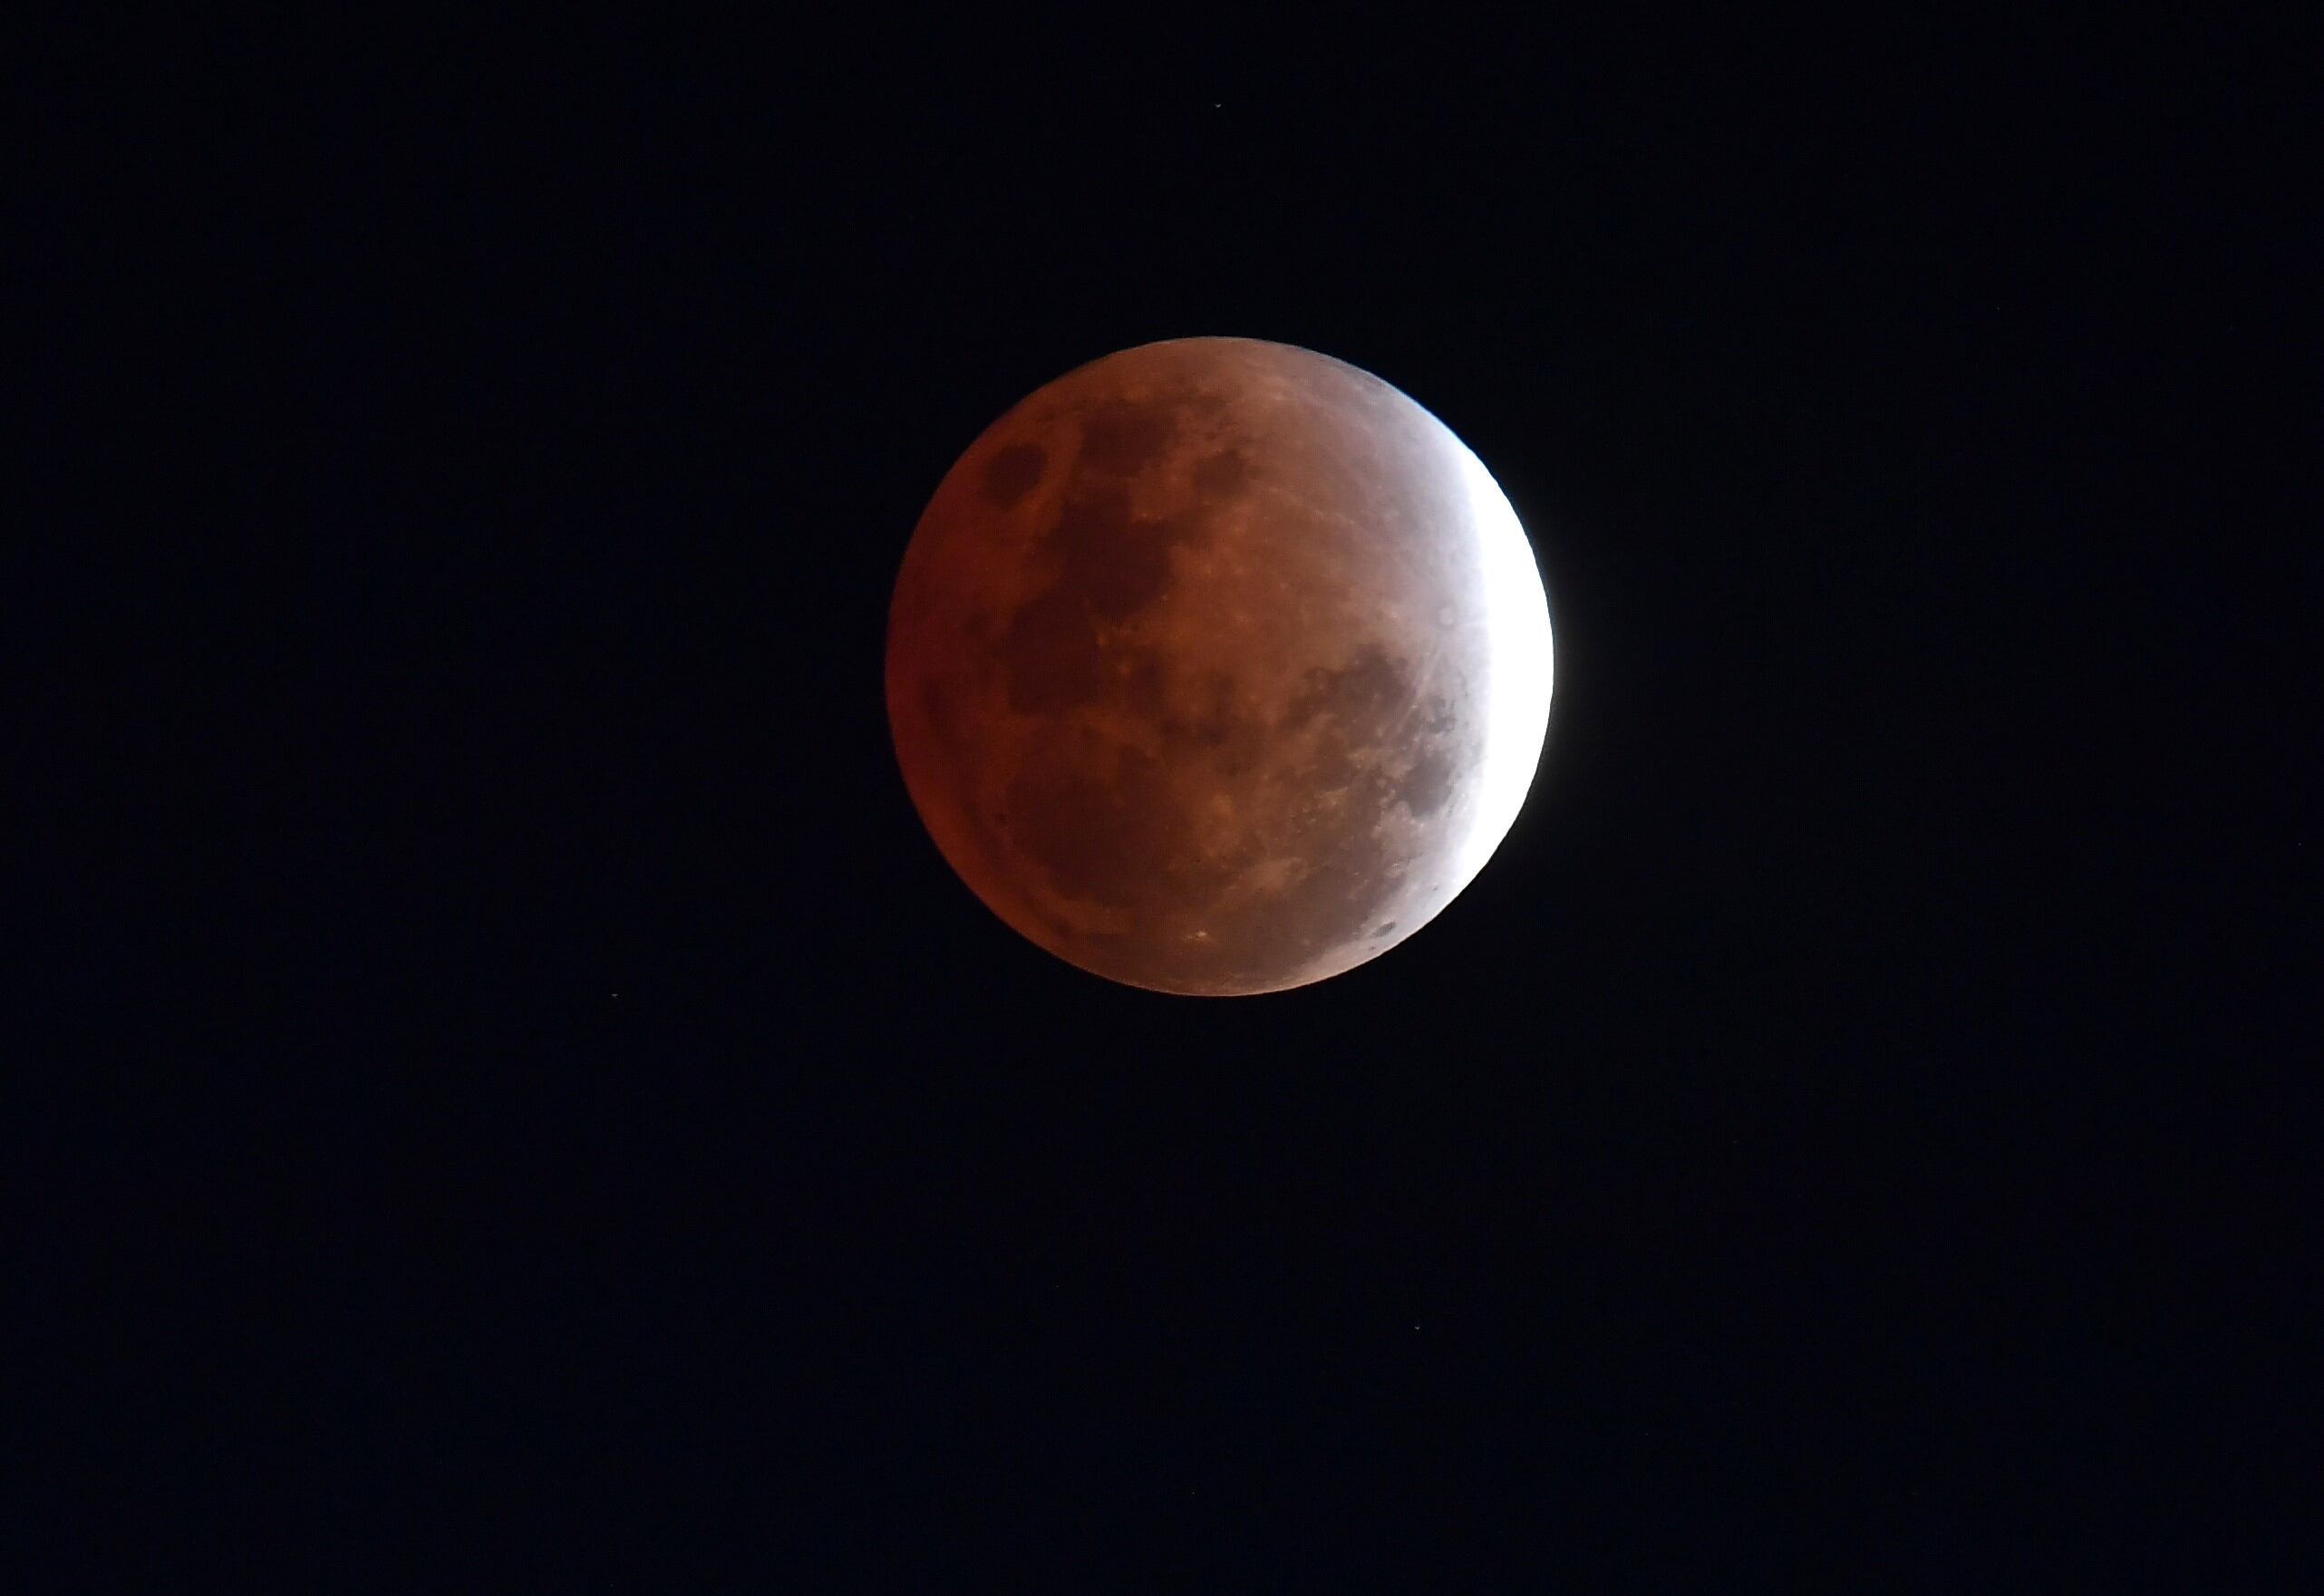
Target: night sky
column 518, row 1102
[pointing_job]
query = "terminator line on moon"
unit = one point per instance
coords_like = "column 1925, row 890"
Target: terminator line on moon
column 1218, row 666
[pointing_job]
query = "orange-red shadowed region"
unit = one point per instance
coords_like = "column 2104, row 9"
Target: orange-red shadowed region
column 1217, row 666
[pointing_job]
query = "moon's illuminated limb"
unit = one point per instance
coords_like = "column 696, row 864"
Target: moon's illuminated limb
column 1520, row 673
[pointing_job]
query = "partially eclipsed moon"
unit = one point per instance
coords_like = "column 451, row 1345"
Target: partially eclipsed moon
column 1218, row 666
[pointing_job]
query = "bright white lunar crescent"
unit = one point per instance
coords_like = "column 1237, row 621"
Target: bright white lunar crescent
column 1218, row 666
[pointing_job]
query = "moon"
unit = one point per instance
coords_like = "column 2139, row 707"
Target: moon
column 1218, row 667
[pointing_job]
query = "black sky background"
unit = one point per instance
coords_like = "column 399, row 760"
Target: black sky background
column 518, row 1102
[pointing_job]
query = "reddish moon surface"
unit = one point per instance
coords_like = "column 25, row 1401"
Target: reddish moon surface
column 1218, row 666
